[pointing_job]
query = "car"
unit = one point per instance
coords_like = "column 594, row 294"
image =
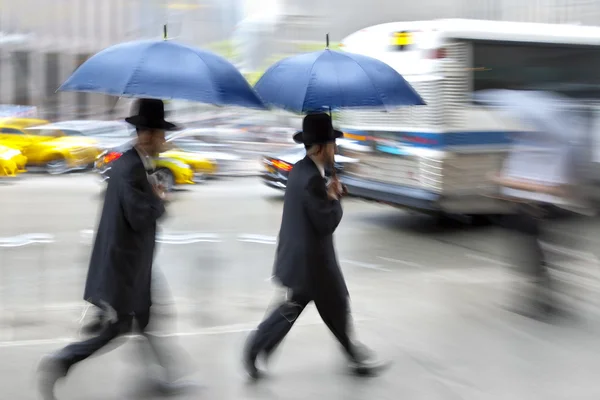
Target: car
column 170, row 172
column 276, row 167
column 53, row 150
column 105, row 134
column 12, row 162
column 185, row 153
column 13, row 131
column 206, row 159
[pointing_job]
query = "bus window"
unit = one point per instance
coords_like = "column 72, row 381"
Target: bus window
column 570, row 70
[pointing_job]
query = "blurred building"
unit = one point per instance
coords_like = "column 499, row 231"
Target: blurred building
column 61, row 34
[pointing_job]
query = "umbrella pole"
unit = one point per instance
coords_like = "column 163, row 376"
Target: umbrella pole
column 165, row 32
column 333, row 172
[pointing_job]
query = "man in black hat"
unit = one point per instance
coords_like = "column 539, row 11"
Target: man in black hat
column 120, row 269
column 305, row 262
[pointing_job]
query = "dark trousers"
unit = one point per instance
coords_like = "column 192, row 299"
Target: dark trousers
column 525, row 225
column 332, row 307
column 526, row 222
column 76, row 352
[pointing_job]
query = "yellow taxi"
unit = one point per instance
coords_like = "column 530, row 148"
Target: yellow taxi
column 12, row 162
column 52, row 149
column 13, row 131
column 171, row 172
column 206, row 159
column 199, row 164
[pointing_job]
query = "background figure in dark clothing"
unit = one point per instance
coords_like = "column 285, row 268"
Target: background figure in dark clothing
column 119, row 276
column 526, row 222
column 306, row 262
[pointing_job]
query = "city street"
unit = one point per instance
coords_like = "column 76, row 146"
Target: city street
column 429, row 296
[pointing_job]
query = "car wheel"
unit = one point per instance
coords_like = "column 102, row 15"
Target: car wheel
column 166, row 177
column 57, row 166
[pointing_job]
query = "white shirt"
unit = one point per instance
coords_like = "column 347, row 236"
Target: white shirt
column 320, row 167
column 146, row 159
column 149, row 165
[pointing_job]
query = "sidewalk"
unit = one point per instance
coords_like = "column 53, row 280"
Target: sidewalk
column 472, row 354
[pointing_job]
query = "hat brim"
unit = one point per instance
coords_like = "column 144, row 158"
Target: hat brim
column 139, row 122
column 299, row 137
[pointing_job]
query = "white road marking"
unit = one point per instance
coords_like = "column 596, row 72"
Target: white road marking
column 403, row 262
column 365, row 265
column 87, row 235
column 261, row 239
column 215, row 330
column 487, row 259
column 26, row 239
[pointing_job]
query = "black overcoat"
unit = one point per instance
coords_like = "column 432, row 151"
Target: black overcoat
column 305, row 261
column 121, row 264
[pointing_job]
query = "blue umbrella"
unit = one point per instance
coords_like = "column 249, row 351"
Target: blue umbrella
column 165, row 70
column 331, row 80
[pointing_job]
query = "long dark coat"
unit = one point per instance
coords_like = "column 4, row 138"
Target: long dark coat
column 306, row 261
column 121, row 264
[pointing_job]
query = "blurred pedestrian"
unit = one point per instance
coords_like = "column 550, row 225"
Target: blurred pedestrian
column 119, row 276
column 540, row 179
column 305, row 261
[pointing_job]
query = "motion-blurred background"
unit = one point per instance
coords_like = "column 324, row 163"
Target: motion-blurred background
column 43, row 41
column 425, row 289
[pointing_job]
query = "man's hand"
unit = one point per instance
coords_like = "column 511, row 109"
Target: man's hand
column 336, row 187
column 344, row 190
column 159, row 190
column 333, row 191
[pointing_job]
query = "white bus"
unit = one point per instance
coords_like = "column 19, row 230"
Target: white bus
column 437, row 158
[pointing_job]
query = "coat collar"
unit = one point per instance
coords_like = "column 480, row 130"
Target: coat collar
column 146, row 159
column 319, row 167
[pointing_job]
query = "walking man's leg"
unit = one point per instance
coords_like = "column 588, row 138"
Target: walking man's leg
column 334, row 309
column 166, row 356
column 272, row 331
column 56, row 366
column 531, row 261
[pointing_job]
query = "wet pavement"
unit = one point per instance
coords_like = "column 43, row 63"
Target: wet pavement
column 431, row 297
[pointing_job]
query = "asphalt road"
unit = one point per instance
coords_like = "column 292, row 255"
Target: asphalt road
column 429, row 296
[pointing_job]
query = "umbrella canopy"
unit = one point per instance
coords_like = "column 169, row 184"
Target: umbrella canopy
column 549, row 115
column 165, row 70
column 330, row 80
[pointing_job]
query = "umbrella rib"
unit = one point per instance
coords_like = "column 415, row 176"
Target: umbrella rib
column 136, row 69
column 280, row 85
column 309, row 80
column 371, row 82
column 212, row 82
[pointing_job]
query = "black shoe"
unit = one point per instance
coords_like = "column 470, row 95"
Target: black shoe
column 249, row 359
column 366, row 363
column 50, row 371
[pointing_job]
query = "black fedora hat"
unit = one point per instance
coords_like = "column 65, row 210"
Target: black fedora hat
column 317, row 129
column 150, row 114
